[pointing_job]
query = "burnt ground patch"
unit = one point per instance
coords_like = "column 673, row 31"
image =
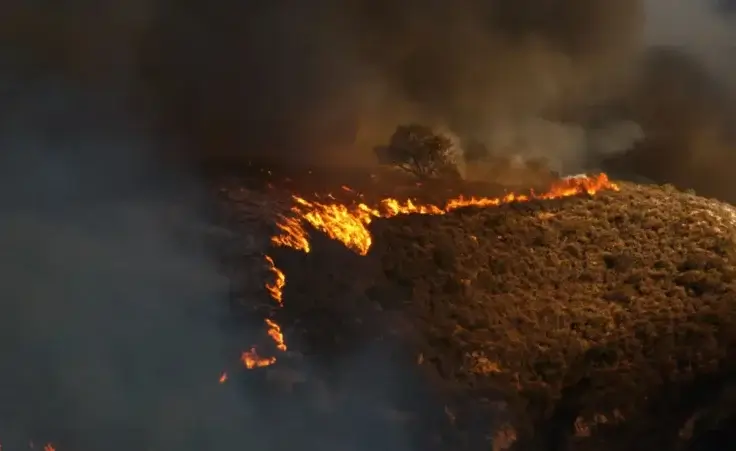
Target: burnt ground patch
column 604, row 322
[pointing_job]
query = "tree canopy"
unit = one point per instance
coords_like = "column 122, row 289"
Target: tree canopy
column 421, row 151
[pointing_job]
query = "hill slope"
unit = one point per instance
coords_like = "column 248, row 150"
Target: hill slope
column 605, row 321
column 602, row 322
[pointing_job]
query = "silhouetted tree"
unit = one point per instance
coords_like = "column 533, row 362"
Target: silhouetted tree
column 422, row 151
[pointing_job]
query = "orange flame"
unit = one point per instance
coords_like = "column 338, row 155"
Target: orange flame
column 276, row 289
column 274, row 331
column 348, row 223
column 292, row 234
column 251, row 359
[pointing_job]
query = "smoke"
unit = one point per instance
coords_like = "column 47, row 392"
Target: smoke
column 112, row 326
column 684, row 98
column 328, row 81
column 115, row 316
column 627, row 85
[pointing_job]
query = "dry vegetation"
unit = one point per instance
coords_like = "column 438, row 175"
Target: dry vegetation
column 601, row 323
column 601, row 309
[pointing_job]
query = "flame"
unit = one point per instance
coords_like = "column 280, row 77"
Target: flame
column 274, row 331
column 292, row 234
column 276, row 289
column 251, row 359
column 348, row 223
column 223, row 378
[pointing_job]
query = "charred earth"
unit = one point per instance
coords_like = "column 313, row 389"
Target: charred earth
column 590, row 322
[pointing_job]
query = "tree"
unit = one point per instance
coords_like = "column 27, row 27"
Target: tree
column 422, row 151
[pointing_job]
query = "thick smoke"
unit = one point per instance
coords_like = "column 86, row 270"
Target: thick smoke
column 329, row 80
column 115, row 316
column 112, row 325
column 684, row 97
column 579, row 82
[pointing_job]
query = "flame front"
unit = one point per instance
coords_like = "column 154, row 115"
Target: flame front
column 349, row 223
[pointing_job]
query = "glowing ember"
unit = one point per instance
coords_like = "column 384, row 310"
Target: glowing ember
column 251, row 359
column 348, row 223
column 223, row 378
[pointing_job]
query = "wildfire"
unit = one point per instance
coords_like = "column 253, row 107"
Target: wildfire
column 348, row 224
column 290, row 236
column 276, row 289
column 274, row 331
column 251, row 359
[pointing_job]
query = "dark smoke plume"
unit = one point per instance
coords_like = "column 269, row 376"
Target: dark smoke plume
column 579, row 82
column 644, row 83
column 684, row 97
column 326, row 81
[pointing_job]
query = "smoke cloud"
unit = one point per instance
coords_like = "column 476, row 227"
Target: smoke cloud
column 329, row 80
column 112, row 324
column 628, row 85
column 684, row 97
column 115, row 315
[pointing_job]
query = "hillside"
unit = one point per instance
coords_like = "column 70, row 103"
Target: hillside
column 601, row 321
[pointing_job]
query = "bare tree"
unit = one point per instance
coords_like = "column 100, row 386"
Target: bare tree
column 421, row 151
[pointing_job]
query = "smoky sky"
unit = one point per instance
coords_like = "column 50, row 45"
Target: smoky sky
column 114, row 307
column 328, row 79
column 112, row 324
column 323, row 82
column 565, row 80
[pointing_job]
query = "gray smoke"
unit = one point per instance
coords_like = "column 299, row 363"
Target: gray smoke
column 112, row 327
column 328, row 81
column 684, row 97
column 115, row 316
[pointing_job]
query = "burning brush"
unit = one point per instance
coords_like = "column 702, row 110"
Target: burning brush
column 348, row 224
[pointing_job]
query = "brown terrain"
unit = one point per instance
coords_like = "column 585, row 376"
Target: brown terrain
column 603, row 321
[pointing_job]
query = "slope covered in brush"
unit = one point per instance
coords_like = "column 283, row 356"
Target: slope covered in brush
column 610, row 312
